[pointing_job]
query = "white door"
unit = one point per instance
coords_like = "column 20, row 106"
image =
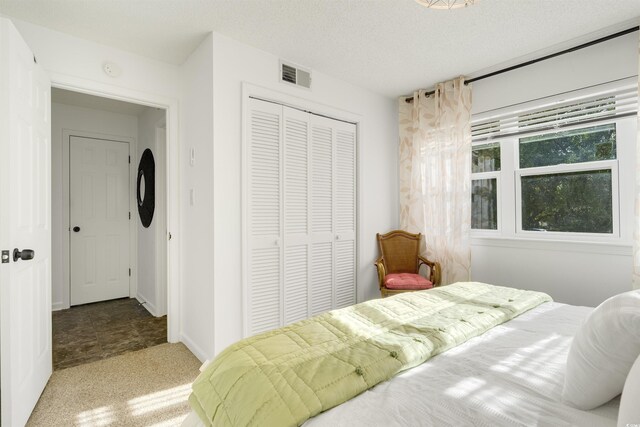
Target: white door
column 345, row 214
column 300, row 223
column 322, row 214
column 99, row 219
column 296, row 186
column 25, row 225
column 264, row 220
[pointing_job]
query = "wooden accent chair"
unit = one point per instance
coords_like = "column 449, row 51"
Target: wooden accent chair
column 399, row 264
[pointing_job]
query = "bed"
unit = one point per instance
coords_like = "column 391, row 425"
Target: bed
column 510, row 375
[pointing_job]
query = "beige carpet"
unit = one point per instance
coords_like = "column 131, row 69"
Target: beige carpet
column 149, row 387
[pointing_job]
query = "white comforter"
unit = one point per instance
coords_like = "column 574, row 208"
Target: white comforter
column 510, row 376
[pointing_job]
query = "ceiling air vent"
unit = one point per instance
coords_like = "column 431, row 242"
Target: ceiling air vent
column 295, row 75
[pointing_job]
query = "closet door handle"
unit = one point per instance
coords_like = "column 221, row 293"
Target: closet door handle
column 76, row 228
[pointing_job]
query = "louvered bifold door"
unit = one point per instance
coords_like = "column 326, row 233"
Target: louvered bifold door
column 264, row 217
column 322, row 219
column 345, row 214
column 296, row 215
column 300, row 217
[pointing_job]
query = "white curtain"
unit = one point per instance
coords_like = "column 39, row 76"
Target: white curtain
column 435, row 175
column 636, row 219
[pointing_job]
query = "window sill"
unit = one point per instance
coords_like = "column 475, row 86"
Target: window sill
column 605, row 248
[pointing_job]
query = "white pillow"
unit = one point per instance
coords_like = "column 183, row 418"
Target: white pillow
column 629, row 408
column 603, row 351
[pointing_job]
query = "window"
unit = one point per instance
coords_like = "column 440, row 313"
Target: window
column 565, row 181
column 577, row 202
column 484, row 186
column 555, row 171
column 572, row 146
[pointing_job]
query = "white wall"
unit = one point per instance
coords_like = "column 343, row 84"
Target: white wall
column 148, row 121
column 84, row 120
column 196, row 118
column 235, row 63
column 65, row 56
column 574, row 273
column 608, row 61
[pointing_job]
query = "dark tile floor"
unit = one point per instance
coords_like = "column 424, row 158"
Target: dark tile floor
column 91, row 332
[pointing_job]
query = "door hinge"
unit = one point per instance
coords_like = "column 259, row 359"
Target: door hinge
column 170, row 236
column 129, row 159
column 129, row 214
column 5, row 257
column 35, row 61
column 129, row 272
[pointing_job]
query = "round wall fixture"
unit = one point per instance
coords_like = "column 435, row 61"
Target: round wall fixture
column 111, row 69
column 146, row 188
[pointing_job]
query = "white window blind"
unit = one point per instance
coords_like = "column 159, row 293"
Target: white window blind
column 605, row 105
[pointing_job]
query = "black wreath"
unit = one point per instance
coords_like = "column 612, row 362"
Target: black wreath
column 146, row 206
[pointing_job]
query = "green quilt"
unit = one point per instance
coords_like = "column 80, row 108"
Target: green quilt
column 285, row 376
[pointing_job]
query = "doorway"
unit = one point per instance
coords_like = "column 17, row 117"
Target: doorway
column 26, row 228
column 109, row 288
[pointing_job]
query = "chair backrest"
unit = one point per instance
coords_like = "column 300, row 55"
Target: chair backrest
column 399, row 251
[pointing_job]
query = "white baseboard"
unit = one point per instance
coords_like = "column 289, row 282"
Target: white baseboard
column 146, row 304
column 56, row 306
column 197, row 351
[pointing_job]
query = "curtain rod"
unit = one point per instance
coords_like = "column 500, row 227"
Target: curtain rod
column 543, row 58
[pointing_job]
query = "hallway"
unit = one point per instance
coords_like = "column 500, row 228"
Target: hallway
column 91, row 332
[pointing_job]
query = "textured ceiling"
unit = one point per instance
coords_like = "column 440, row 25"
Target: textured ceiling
column 388, row 46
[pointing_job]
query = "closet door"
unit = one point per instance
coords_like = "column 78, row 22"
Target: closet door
column 300, row 216
column 263, row 217
column 345, row 214
column 322, row 214
column 296, row 215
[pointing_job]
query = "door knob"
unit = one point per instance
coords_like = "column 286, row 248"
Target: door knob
column 25, row 254
column 76, row 228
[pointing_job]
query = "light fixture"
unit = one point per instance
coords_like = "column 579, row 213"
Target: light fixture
column 446, row 4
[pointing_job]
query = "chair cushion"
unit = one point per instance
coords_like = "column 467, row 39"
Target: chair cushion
column 406, row 281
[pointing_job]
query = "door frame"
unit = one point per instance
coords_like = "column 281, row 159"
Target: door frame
column 66, row 216
column 172, row 176
column 161, row 224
